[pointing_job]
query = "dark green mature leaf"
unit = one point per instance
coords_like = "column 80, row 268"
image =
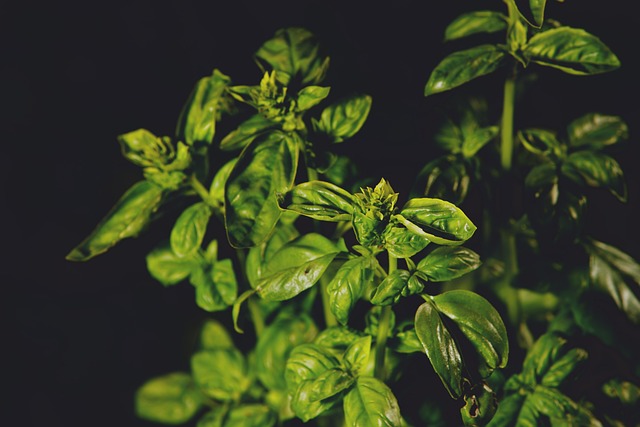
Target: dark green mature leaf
column 402, row 243
column 275, row 344
column 297, row 266
column 371, row 403
column 440, row 347
column 439, row 221
column 540, row 141
column 596, row 170
column 388, row 291
column 220, row 374
column 246, row 132
column 168, row 399
column 563, row 367
column 448, row 263
column 130, row 215
column 168, row 268
column 548, row 348
column 197, row 122
column 319, row 200
column 188, row 232
column 348, row 286
column 356, row 357
column 310, row 96
column 553, row 403
column 406, row 342
column 481, row 21
column 596, row 131
column 480, row 406
column 515, row 410
column 294, row 51
column 216, row 286
column 345, row 118
column 251, row 415
column 480, row 323
column 463, row 66
column 266, row 167
column 571, row 50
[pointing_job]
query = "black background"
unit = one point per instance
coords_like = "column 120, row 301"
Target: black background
column 81, row 337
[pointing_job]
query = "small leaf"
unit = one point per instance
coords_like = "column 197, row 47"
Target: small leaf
column 221, row 374
column 545, row 351
column 371, row 403
column 337, row 337
column 439, row 221
column 311, row 96
column 169, row 399
column 448, row 263
column 540, row 141
column 188, row 232
column 213, row 418
column 463, row 66
column 388, row 291
column 246, row 132
column 127, row 218
column 168, row 268
column 327, row 384
column 319, row 200
column 596, row 131
column 512, row 410
column 216, row 286
column 537, row 10
column 251, row 415
column 478, row 139
column 596, row 170
column 481, row 21
column 143, row 148
column 444, row 178
column 571, row 50
column 213, row 336
column 216, row 190
column 348, row 285
column 542, row 175
column 356, row 357
column 344, row 119
column 265, row 168
column 562, row 367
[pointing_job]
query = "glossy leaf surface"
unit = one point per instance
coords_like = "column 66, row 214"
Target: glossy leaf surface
column 216, row 286
column 439, row 221
column 319, row 200
column 596, row 131
column 596, row 170
column 345, row 118
column 246, row 132
column 348, row 285
column 481, row 21
column 168, row 268
column 371, row 403
column 188, row 232
column 448, row 263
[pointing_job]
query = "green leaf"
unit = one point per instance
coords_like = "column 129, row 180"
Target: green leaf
column 388, row 291
column 130, row 215
column 220, row 374
column 216, row 286
column 480, row 323
column 571, row 50
column 543, row 175
column 169, row 399
column 540, row 142
column 297, row 266
column 563, row 367
column 197, row 122
column 596, row 170
column 439, row 221
column 402, row 243
column 348, row 286
column 214, row 336
column 440, row 347
column 168, row 268
column 337, row 337
column 259, row 255
column 356, row 357
column 294, row 51
column 311, row 96
column 511, row 411
column 143, row 148
column 481, row 21
column 553, row 404
column 275, row 344
column 327, row 384
column 319, row 200
column 546, row 350
column 345, row 118
column 251, row 415
column 406, row 342
column 478, row 139
column 371, row 403
column 596, row 131
column 216, row 190
column 246, row 132
column 188, row 232
column 213, row 418
column 480, row 406
column 448, row 263
column 463, row 66
column 444, row 178
column 537, row 10
column 266, row 167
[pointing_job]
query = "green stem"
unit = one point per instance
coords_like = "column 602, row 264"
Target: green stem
column 506, row 130
column 256, row 316
column 384, row 324
column 329, row 318
column 199, row 188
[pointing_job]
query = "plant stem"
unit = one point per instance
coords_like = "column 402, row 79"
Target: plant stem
column 384, row 324
column 199, row 188
column 506, row 129
column 256, row 316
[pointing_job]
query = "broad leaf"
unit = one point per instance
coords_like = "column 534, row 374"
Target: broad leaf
column 448, row 263
column 512, row 411
column 444, row 178
column 169, row 399
column 127, row 218
column 402, row 243
column 348, row 286
column 216, row 286
column 246, row 132
column 344, row 119
column 356, row 357
column 571, row 50
column 168, row 268
column 371, row 403
column 319, row 200
column 481, row 21
column 327, row 384
column 265, row 168
column 439, row 221
column 478, row 139
column 251, row 415
column 213, row 336
column 596, row 131
column 596, row 170
column 543, row 175
column 220, row 374
column 388, row 291
column 463, row 66
column 311, row 96
column 216, row 190
column 337, row 338
column 188, row 232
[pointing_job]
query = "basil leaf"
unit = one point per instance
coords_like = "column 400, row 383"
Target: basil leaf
column 406, row 342
column 276, row 343
column 188, row 232
column 480, row 405
column 168, row 268
column 513, row 410
column 265, row 167
column 540, row 141
column 596, row 131
column 545, row 351
column 220, row 374
column 542, row 175
column 571, row 50
column 480, row 323
column 337, row 338
column 251, row 415
column 448, row 263
column 481, row 21
column 388, row 291
column 216, row 286
column 356, row 356
column 402, row 243
column 197, row 121
column 311, row 96
column 478, row 139
column 130, row 215
column 348, row 285
column 216, row 190
column 563, row 367
column 444, row 178
column 168, row 399
column 371, row 403
column 246, row 132
column 463, row 66
column 319, row 200
column 345, row 118
column 213, row 336
column 213, row 418
column 439, row 221
column 440, row 347
column 327, row 384
column 143, row 148
column 596, row 170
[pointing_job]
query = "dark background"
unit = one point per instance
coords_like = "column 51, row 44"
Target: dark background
column 81, row 337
